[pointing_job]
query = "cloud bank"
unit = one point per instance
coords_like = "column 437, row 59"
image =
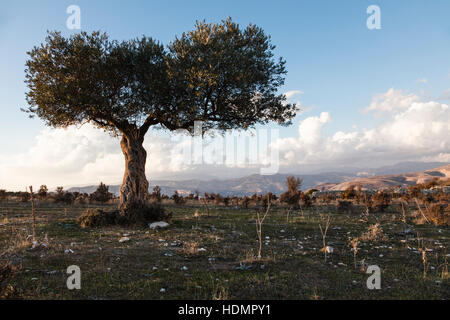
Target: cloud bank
column 411, row 130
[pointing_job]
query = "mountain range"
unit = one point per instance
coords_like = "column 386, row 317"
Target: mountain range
column 378, row 178
column 389, row 181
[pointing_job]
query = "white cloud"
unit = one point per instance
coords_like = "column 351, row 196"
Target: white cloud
column 418, row 131
column 392, row 101
column 292, row 93
column 414, row 130
column 78, row 156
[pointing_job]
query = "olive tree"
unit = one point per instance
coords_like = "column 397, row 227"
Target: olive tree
column 220, row 74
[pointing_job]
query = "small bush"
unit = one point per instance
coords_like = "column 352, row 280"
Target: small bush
column 102, row 194
column 374, row 232
column 439, row 214
column 349, row 193
column 92, row 218
column 138, row 215
column 344, row 206
column 381, row 201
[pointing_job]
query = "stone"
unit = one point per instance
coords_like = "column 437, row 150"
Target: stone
column 159, row 224
column 124, row 239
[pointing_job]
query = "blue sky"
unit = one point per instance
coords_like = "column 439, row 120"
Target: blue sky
column 332, row 57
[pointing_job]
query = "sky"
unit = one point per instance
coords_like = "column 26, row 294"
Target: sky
column 368, row 97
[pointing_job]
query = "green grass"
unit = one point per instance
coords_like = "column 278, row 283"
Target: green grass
column 292, row 266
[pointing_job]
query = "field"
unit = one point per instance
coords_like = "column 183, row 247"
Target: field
column 214, row 256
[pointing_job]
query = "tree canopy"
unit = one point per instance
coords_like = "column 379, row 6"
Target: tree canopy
column 220, row 74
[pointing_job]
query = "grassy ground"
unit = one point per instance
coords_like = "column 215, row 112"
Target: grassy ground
column 214, row 257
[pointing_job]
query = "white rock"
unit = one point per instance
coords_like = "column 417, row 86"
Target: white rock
column 184, row 268
column 159, row 224
column 124, row 239
column 162, row 290
column 201, row 250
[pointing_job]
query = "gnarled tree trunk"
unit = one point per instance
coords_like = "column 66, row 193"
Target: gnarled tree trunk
column 134, row 189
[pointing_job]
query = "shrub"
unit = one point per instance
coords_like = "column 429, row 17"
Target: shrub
column 102, row 194
column 2, row 195
column 344, row 206
column 381, row 201
column 25, row 196
column 177, row 198
column 305, row 200
column 92, row 218
column 374, row 232
column 245, row 202
column 292, row 196
column 269, row 197
column 218, row 199
column 142, row 214
column 156, row 194
column 135, row 214
column 62, row 196
column 349, row 193
column 42, row 192
column 439, row 214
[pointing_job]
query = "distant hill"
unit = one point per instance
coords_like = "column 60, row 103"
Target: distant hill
column 276, row 183
column 389, row 181
column 238, row 186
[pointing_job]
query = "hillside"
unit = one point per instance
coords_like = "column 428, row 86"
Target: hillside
column 238, row 186
column 373, row 179
column 389, row 181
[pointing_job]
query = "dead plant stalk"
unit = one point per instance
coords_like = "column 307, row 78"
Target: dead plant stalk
column 259, row 222
column 324, row 236
column 33, row 214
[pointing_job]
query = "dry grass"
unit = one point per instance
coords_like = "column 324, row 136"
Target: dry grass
column 220, row 293
column 437, row 214
column 423, row 253
column 191, row 247
column 293, row 266
column 354, row 242
column 373, row 233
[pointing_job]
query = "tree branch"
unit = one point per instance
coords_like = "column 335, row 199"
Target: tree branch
column 150, row 121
